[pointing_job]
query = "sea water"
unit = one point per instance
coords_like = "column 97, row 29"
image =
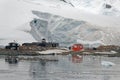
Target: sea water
column 66, row 68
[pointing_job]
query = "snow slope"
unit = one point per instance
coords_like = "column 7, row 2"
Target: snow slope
column 105, row 7
column 16, row 15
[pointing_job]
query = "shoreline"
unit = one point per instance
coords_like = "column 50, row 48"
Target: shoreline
column 35, row 53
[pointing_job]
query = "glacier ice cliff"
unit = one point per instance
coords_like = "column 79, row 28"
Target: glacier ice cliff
column 68, row 31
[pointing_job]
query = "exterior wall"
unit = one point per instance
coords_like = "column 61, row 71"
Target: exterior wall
column 12, row 46
column 49, row 44
column 77, row 47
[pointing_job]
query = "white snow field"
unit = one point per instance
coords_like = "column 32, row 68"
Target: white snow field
column 64, row 21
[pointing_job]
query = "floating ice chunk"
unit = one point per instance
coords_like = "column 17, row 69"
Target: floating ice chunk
column 113, row 52
column 107, row 63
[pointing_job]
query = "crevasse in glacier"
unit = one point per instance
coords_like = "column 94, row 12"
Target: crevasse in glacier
column 68, row 31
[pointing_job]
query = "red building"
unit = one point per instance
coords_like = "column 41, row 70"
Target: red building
column 77, row 47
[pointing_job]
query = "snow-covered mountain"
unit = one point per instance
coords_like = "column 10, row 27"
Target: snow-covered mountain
column 64, row 21
column 105, row 7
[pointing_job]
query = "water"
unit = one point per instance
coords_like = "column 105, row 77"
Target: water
column 67, row 68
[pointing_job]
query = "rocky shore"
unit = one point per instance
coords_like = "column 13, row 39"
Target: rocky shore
column 60, row 52
column 48, row 48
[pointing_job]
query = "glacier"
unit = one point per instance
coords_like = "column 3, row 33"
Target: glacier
column 64, row 21
column 68, row 31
